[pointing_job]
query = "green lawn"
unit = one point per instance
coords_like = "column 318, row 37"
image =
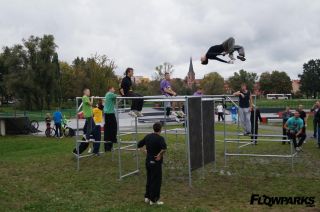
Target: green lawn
column 39, row 174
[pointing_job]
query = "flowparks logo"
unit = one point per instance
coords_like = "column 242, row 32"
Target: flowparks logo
column 270, row 201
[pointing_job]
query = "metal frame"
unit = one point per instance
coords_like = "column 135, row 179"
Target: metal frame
column 132, row 145
column 247, row 142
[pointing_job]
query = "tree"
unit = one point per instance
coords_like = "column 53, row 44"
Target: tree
column 162, row 69
column 213, row 84
column 242, row 77
column 309, row 79
column 276, row 82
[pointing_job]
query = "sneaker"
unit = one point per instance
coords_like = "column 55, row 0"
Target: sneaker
column 146, row 200
column 139, row 114
column 156, row 203
column 241, row 58
column 132, row 114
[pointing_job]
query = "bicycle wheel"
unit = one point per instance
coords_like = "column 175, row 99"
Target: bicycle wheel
column 34, row 124
column 50, row 132
column 66, row 131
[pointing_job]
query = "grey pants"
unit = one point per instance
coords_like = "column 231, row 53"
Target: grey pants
column 244, row 118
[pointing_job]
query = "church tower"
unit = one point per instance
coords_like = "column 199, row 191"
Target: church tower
column 191, row 75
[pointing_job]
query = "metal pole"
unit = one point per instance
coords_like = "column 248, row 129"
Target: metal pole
column 188, row 143
column 77, row 137
column 136, row 138
column 165, row 120
column 254, row 118
column 224, row 135
column 118, row 138
column 201, row 118
column 291, row 151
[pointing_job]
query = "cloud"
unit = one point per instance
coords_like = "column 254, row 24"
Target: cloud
column 142, row 34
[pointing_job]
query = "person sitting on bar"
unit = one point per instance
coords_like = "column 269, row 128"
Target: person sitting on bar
column 126, row 90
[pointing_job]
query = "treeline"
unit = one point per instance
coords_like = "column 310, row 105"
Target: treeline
column 32, row 73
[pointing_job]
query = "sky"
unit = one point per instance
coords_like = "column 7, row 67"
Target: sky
column 276, row 35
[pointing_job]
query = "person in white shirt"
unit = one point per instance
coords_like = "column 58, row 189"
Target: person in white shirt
column 220, row 112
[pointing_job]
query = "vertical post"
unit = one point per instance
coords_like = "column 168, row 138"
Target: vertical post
column 118, row 138
column 291, row 151
column 165, row 120
column 201, row 114
column 188, row 142
column 224, row 132
column 136, row 139
column 77, row 136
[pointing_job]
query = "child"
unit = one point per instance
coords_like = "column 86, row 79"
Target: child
column 155, row 147
column 110, row 127
column 48, row 120
column 234, row 113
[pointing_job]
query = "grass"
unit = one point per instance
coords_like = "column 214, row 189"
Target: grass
column 39, row 174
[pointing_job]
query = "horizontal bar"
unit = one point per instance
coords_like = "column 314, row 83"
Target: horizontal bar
column 128, row 142
column 244, row 145
column 257, row 140
column 124, row 147
column 237, row 142
column 259, row 155
column 262, row 135
column 81, row 141
column 131, row 173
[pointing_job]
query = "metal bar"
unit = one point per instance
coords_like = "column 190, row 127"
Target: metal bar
column 77, row 137
column 258, row 139
column 201, row 118
column 260, row 155
column 128, row 142
column 131, row 173
column 136, row 144
column 188, row 143
column 224, row 136
column 262, row 135
column 244, row 145
column 81, row 141
column 119, row 139
column 124, row 147
column 237, row 142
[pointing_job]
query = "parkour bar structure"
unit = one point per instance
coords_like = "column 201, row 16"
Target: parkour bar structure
column 199, row 132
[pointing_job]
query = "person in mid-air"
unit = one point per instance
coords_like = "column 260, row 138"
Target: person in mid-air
column 227, row 47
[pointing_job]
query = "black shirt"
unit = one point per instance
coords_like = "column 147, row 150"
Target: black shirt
column 244, row 102
column 126, row 84
column 154, row 144
column 303, row 115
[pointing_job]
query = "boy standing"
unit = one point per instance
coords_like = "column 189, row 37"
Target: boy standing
column 110, row 126
column 155, row 148
column 57, row 118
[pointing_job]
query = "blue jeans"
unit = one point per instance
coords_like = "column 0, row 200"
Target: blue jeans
column 234, row 117
column 318, row 135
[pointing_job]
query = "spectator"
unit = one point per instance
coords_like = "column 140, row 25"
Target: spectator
column 294, row 127
column 220, row 112
column 254, row 118
column 199, row 92
column 110, row 127
column 285, row 116
column 234, row 114
column 57, row 118
column 304, row 117
column 315, row 109
column 317, row 119
column 48, row 120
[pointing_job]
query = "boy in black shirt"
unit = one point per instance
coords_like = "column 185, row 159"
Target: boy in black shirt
column 155, row 148
column 126, row 90
column 304, row 117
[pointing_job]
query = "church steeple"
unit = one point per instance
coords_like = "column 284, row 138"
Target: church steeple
column 191, row 75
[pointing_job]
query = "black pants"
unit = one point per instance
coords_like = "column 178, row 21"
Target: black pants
column 220, row 116
column 110, row 131
column 58, row 129
column 315, row 128
column 284, row 131
column 154, row 178
column 254, row 131
column 96, row 135
column 136, row 104
column 293, row 137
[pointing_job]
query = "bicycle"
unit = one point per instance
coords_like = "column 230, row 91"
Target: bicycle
column 31, row 127
column 50, row 131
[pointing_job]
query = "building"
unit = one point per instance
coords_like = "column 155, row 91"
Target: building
column 138, row 79
column 191, row 76
column 295, row 86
